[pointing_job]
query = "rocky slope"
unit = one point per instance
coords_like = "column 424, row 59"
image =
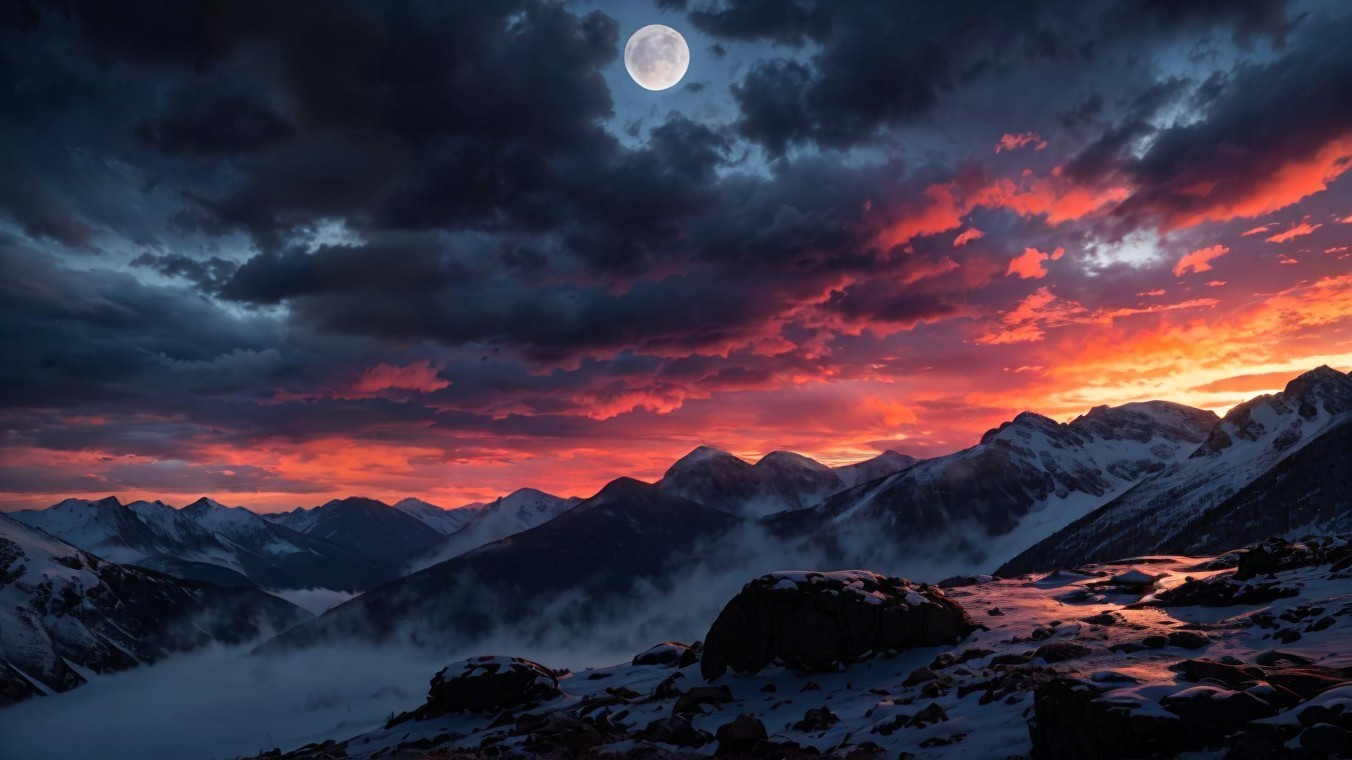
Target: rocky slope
column 1242, row 655
column 1279, row 463
column 1023, row 481
column 64, row 611
column 521, row 510
column 568, row 569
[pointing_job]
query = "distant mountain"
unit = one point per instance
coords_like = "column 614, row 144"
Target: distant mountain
column 208, row 541
column 442, row 520
column 1024, row 480
column 370, row 527
column 62, row 609
column 1280, row 463
column 576, row 565
column 521, row 510
column 780, row 481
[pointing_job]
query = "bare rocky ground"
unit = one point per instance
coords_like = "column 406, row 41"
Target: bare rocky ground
column 1243, row 655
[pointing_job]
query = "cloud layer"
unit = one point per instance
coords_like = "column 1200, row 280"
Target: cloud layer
column 280, row 252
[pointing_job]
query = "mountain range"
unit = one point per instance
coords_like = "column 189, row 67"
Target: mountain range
column 642, row 559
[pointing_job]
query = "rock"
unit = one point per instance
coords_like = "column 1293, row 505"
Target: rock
column 1308, row 681
column 819, row 621
column 1070, row 722
column 740, row 736
column 1060, row 651
column 816, row 719
column 963, row 581
column 1188, row 639
column 668, row 688
column 671, row 654
column 1221, row 590
column 676, row 730
column 489, row 684
column 1134, row 577
column 918, row 676
column 690, row 701
column 1273, row 555
column 1325, row 740
column 928, row 716
column 1213, row 710
column 1230, row 675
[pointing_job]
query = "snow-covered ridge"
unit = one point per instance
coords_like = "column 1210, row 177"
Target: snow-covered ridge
column 1251, row 441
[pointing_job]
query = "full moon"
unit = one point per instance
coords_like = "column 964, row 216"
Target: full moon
column 656, row 57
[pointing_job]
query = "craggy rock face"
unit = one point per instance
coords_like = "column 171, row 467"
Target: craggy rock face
column 817, row 621
column 489, row 684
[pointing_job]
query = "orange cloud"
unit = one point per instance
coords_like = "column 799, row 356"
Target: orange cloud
column 1199, row 260
column 1028, row 265
column 944, row 205
column 1292, row 181
column 967, row 236
column 1016, row 140
column 1260, row 229
column 1296, row 230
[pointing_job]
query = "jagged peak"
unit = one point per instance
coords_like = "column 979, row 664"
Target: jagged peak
column 1022, row 421
column 1323, row 378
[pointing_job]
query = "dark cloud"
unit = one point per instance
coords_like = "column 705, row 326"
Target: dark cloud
column 870, row 65
column 1263, row 118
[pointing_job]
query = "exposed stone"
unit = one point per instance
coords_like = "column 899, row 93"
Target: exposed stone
column 818, row 621
column 489, row 684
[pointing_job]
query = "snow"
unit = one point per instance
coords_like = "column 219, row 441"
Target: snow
column 256, row 703
column 519, row 511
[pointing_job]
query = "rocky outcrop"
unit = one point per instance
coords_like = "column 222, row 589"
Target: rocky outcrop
column 489, row 684
column 818, row 621
column 671, row 654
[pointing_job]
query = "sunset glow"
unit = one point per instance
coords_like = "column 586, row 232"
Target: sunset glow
column 407, row 283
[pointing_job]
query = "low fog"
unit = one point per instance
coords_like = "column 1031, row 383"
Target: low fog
column 226, row 702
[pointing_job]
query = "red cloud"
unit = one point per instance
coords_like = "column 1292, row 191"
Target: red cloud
column 1290, row 182
column 1016, row 140
column 1199, row 260
column 1029, row 264
column 967, row 236
column 1295, row 231
column 414, row 377
column 944, row 205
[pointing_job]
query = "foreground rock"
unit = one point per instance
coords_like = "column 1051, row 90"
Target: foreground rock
column 486, row 685
column 818, row 621
column 1066, row 672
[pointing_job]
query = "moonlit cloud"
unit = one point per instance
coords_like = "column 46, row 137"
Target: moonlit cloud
column 449, row 249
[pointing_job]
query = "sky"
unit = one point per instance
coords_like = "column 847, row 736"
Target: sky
column 279, row 253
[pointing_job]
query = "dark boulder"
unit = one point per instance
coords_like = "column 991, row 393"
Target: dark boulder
column 1071, row 722
column 671, row 654
column 741, row 736
column 489, row 684
column 693, row 701
column 1219, row 711
column 1276, row 554
column 676, row 730
column 1060, row 651
column 817, row 719
column 1221, row 590
column 817, row 621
